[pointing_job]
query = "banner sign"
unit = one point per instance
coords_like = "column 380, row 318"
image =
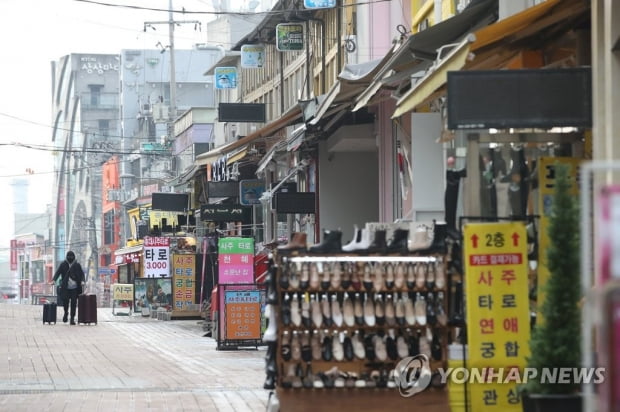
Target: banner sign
column 319, row 4
column 250, row 191
column 184, row 280
column 236, row 260
column 121, row 291
column 156, row 258
column 252, row 56
column 289, row 37
column 243, row 318
column 498, row 313
column 225, row 77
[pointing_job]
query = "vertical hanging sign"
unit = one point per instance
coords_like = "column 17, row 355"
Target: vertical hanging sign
column 236, row 260
column 156, row 257
column 183, row 280
column 252, row 56
column 289, row 37
column 225, row 77
column 498, row 313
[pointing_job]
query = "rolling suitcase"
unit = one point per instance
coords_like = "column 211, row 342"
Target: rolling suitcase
column 87, row 309
column 49, row 313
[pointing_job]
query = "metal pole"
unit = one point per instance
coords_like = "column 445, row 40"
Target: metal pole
column 173, row 86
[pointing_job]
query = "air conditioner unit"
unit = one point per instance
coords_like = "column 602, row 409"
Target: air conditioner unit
column 349, row 43
column 160, row 113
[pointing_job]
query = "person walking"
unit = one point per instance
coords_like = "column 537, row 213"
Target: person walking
column 72, row 280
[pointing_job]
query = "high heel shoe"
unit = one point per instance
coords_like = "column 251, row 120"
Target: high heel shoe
column 337, row 316
column 304, row 279
column 377, row 281
column 336, row 275
column 366, row 280
column 327, row 311
column 379, row 310
column 389, row 276
column 399, row 276
column 315, row 279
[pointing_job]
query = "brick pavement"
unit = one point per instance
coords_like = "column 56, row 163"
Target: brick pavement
column 124, row 363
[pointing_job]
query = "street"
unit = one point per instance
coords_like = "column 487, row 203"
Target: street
column 124, row 363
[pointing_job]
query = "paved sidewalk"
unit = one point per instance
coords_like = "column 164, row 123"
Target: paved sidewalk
column 124, row 363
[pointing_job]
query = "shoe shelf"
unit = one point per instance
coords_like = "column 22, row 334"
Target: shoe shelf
column 344, row 322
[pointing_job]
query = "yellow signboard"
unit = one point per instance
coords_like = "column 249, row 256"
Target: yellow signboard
column 184, row 280
column 121, row 291
column 498, row 315
column 546, row 180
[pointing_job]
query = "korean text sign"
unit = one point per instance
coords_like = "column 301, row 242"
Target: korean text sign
column 184, row 280
column 156, row 258
column 498, row 313
column 236, row 260
column 242, row 314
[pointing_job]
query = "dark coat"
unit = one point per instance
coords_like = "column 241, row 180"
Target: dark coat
column 74, row 271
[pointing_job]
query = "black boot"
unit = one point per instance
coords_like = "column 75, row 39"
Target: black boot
column 456, row 306
column 331, row 243
column 398, row 243
column 379, row 244
column 440, row 231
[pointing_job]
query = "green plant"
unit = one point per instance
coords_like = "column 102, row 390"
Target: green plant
column 556, row 340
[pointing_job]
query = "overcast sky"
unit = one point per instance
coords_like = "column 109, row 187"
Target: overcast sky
column 36, row 32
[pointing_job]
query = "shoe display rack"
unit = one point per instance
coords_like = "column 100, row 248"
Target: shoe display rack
column 340, row 324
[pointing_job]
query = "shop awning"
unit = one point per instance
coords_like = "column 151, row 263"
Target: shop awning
column 353, row 79
column 292, row 116
column 420, row 50
column 492, row 46
column 264, row 162
column 437, row 77
column 129, row 249
column 238, row 155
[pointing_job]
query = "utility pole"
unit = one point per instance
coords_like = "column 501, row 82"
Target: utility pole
column 173, row 92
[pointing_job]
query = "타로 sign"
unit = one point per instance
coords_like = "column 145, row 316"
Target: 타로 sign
column 156, row 259
column 498, row 313
column 252, row 56
column 289, row 37
column 236, row 260
column 242, row 314
column 225, row 77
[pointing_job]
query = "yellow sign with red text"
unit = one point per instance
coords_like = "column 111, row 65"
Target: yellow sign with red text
column 498, row 315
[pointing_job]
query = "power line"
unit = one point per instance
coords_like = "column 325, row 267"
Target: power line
column 223, row 13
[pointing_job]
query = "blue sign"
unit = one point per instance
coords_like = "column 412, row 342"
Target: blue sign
column 225, row 77
column 106, row 271
column 250, row 191
column 319, row 4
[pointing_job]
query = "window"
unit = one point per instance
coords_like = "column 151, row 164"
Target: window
column 108, row 228
column 95, row 94
column 104, row 128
